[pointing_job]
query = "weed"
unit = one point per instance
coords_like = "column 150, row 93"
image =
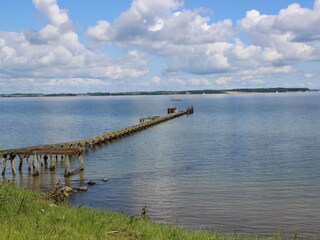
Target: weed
column 145, row 212
column 22, row 204
column 58, row 194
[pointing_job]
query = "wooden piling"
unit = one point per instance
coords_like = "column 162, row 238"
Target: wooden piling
column 20, row 162
column 28, row 162
column 35, row 165
column 4, row 165
column 66, row 166
column 42, row 159
column 81, row 162
column 52, row 163
column 12, row 166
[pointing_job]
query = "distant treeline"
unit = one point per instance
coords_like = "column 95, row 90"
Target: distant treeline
column 206, row 91
column 267, row 90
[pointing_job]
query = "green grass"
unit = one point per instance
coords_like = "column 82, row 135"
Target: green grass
column 28, row 215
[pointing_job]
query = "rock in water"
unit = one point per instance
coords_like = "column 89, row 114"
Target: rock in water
column 106, row 179
column 82, row 188
column 91, row 183
column 66, row 189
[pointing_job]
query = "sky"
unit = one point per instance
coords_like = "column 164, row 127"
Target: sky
column 62, row 46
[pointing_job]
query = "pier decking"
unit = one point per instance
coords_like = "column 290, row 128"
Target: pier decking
column 39, row 154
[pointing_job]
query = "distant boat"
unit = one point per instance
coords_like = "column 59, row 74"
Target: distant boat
column 175, row 99
column 203, row 93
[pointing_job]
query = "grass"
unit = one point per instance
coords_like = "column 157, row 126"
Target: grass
column 29, row 215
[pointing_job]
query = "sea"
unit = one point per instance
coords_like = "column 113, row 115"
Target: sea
column 242, row 163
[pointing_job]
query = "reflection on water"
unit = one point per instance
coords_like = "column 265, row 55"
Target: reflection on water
column 241, row 163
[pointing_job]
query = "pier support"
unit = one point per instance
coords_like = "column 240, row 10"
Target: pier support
column 81, row 163
column 44, row 160
column 52, row 162
column 28, row 162
column 66, row 165
column 20, row 162
column 41, row 160
column 35, row 165
column 4, row 165
column 12, row 165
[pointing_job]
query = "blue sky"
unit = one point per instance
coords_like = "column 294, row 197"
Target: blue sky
column 55, row 46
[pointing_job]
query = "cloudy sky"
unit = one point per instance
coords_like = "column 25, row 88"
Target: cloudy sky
column 54, row 46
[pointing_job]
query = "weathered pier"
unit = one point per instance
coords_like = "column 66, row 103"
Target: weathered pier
column 63, row 151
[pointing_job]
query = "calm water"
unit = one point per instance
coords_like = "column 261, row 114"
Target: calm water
column 241, row 163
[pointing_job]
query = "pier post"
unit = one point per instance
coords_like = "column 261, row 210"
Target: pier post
column 45, row 160
column 66, row 166
column 81, row 162
column 12, row 165
column 35, row 165
column 52, row 162
column 4, row 165
column 41, row 160
column 28, row 162
column 20, row 162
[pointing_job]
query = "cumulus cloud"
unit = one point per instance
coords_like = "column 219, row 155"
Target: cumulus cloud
column 160, row 21
column 51, row 11
column 178, row 82
column 310, row 75
column 224, row 80
column 291, row 35
column 55, row 52
column 58, row 23
column 185, row 37
column 193, row 44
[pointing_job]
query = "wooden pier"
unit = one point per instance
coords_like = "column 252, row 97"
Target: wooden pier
column 52, row 152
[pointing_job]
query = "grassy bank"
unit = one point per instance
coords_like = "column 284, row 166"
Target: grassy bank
column 29, row 215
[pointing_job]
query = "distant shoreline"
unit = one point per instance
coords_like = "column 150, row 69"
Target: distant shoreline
column 145, row 93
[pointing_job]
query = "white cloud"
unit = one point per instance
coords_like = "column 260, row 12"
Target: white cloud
column 267, row 71
column 193, row 44
column 209, row 53
column 158, row 25
column 256, row 81
column 309, row 75
column 55, row 52
column 172, row 81
column 223, row 80
column 159, row 21
column 51, row 11
column 189, row 41
column 290, row 35
column 199, row 82
column 156, row 80
column 98, row 32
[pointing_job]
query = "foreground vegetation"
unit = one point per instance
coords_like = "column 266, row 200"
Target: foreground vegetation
column 30, row 215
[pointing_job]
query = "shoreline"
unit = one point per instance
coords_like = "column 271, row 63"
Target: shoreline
column 30, row 214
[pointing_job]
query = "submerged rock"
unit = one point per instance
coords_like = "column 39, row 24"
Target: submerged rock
column 82, row 188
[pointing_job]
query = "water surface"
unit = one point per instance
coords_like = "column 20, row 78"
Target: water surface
column 245, row 163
